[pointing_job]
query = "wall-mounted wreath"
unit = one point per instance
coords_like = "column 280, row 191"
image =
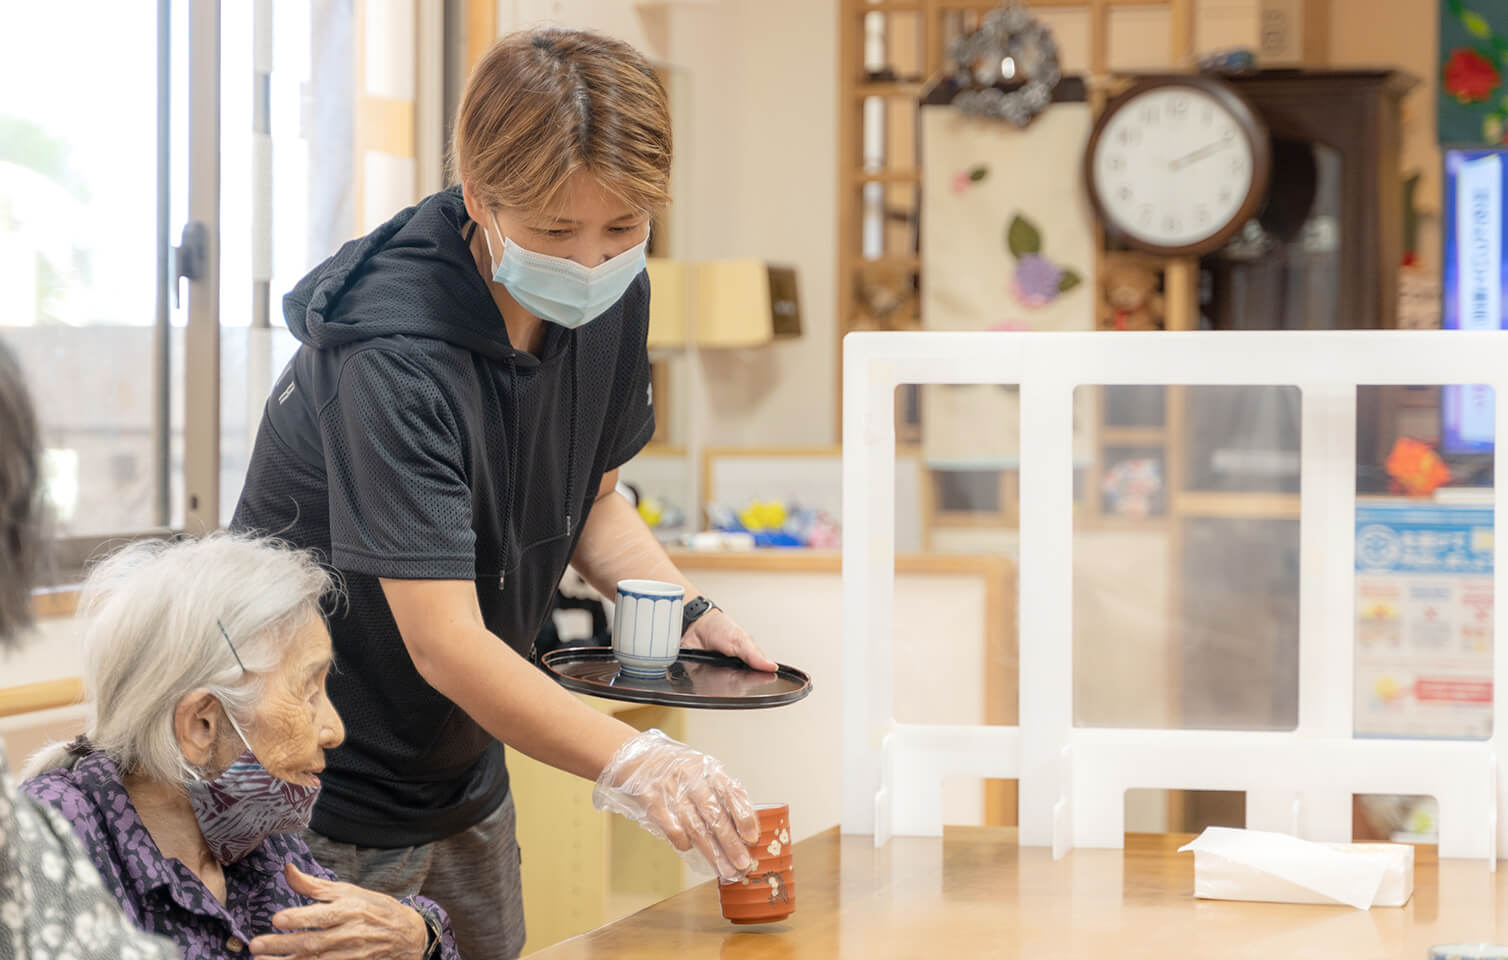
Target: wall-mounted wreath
column 1010, row 48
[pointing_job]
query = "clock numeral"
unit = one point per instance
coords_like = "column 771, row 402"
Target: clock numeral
column 1146, row 213
column 1207, row 116
column 1129, row 136
column 1117, row 163
column 1124, row 193
column 1201, row 215
column 1225, row 195
column 1227, row 135
column 1171, row 224
column 1149, row 115
column 1179, row 107
column 1238, row 165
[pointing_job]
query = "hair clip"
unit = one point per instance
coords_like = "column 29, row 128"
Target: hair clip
column 231, row 645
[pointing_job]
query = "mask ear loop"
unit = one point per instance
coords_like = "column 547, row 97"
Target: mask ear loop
column 487, row 238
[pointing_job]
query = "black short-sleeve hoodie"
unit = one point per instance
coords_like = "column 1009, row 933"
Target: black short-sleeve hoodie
column 408, row 439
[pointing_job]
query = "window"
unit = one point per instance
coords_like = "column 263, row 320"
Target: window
column 83, row 198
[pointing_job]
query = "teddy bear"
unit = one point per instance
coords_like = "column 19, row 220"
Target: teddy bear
column 885, row 298
column 1131, row 300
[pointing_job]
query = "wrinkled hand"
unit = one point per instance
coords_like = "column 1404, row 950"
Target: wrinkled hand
column 717, row 632
column 683, row 796
column 349, row 923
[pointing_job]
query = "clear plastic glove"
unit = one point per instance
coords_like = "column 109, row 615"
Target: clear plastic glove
column 683, row 796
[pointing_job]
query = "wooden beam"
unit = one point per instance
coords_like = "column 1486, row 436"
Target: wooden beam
column 1099, row 38
column 1001, row 683
column 1201, row 504
column 55, row 603
column 850, row 68
column 386, row 125
column 1182, row 45
column 481, row 30
column 47, row 695
column 1317, row 33
column 1133, row 436
column 1180, row 280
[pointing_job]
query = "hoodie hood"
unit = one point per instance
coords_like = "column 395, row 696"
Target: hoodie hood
column 413, row 275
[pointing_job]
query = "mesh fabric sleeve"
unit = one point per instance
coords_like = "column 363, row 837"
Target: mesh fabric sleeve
column 400, row 500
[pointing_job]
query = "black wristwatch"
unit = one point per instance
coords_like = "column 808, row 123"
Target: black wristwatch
column 694, row 611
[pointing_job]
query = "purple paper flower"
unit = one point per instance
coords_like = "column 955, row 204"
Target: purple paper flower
column 1036, row 281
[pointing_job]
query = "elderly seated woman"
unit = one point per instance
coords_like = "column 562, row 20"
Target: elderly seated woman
column 206, row 670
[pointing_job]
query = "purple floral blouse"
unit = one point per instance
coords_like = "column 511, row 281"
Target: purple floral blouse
column 163, row 896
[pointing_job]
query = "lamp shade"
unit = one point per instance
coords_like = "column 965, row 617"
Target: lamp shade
column 669, row 289
column 745, row 303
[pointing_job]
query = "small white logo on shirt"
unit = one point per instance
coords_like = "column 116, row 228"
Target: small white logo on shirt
column 649, row 395
column 286, row 394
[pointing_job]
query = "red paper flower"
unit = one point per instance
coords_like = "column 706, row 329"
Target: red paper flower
column 1469, row 76
column 1416, row 468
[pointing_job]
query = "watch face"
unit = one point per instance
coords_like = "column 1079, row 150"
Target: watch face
column 1173, row 166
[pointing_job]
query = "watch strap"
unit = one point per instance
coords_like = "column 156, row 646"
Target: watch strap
column 694, row 610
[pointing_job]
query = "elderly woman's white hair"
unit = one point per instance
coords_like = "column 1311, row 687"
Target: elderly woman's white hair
column 154, row 613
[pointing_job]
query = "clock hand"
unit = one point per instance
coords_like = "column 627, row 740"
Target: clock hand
column 1199, row 154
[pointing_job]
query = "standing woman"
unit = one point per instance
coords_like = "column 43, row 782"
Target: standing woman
column 472, row 374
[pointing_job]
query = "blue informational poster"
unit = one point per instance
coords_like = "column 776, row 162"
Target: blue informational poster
column 1472, row 283
column 1423, row 620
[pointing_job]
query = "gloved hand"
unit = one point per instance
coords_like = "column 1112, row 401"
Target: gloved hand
column 683, row 796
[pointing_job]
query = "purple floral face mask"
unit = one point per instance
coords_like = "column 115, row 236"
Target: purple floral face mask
column 247, row 804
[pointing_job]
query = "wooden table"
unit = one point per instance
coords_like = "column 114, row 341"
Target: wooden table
column 974, row 893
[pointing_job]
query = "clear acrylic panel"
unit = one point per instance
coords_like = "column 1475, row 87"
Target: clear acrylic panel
column 957, row 482
column 1424, row 561
column 1186, row 559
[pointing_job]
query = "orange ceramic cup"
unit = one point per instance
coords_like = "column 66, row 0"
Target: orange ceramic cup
column 768, row 893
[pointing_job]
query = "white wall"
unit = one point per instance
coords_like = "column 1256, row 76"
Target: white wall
column 761, row 142
column 756, row 149
column 794, row 754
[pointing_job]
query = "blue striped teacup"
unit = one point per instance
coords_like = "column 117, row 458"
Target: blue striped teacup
column 647, row 626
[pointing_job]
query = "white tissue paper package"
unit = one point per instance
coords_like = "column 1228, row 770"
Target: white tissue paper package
column 1231, row 864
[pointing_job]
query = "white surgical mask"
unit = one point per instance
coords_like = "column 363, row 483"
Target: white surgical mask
column 560, row 290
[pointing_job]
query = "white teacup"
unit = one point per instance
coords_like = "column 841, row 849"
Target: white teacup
column 647, row 626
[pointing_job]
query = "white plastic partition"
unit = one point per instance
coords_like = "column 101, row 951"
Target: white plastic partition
column 1073, row 781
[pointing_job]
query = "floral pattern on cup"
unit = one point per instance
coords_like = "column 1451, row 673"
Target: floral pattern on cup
column 768, row 893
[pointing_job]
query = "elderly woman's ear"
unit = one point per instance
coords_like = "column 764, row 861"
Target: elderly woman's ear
column 199, row 723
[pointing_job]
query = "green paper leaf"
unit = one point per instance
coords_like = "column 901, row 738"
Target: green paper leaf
column 1022, row 238
column 1475, row 24
column 1068, row 281
column 978, row 173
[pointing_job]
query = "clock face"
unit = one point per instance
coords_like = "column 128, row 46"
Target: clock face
column 1175, row 166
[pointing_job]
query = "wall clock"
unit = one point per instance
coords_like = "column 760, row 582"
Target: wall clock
column 1177, row 165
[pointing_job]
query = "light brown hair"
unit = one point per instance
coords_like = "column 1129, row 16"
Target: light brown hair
column 542, row 104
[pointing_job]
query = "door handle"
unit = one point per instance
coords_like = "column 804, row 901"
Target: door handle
column 189, row 257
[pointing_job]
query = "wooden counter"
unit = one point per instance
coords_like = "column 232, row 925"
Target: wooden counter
column 974, row 893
